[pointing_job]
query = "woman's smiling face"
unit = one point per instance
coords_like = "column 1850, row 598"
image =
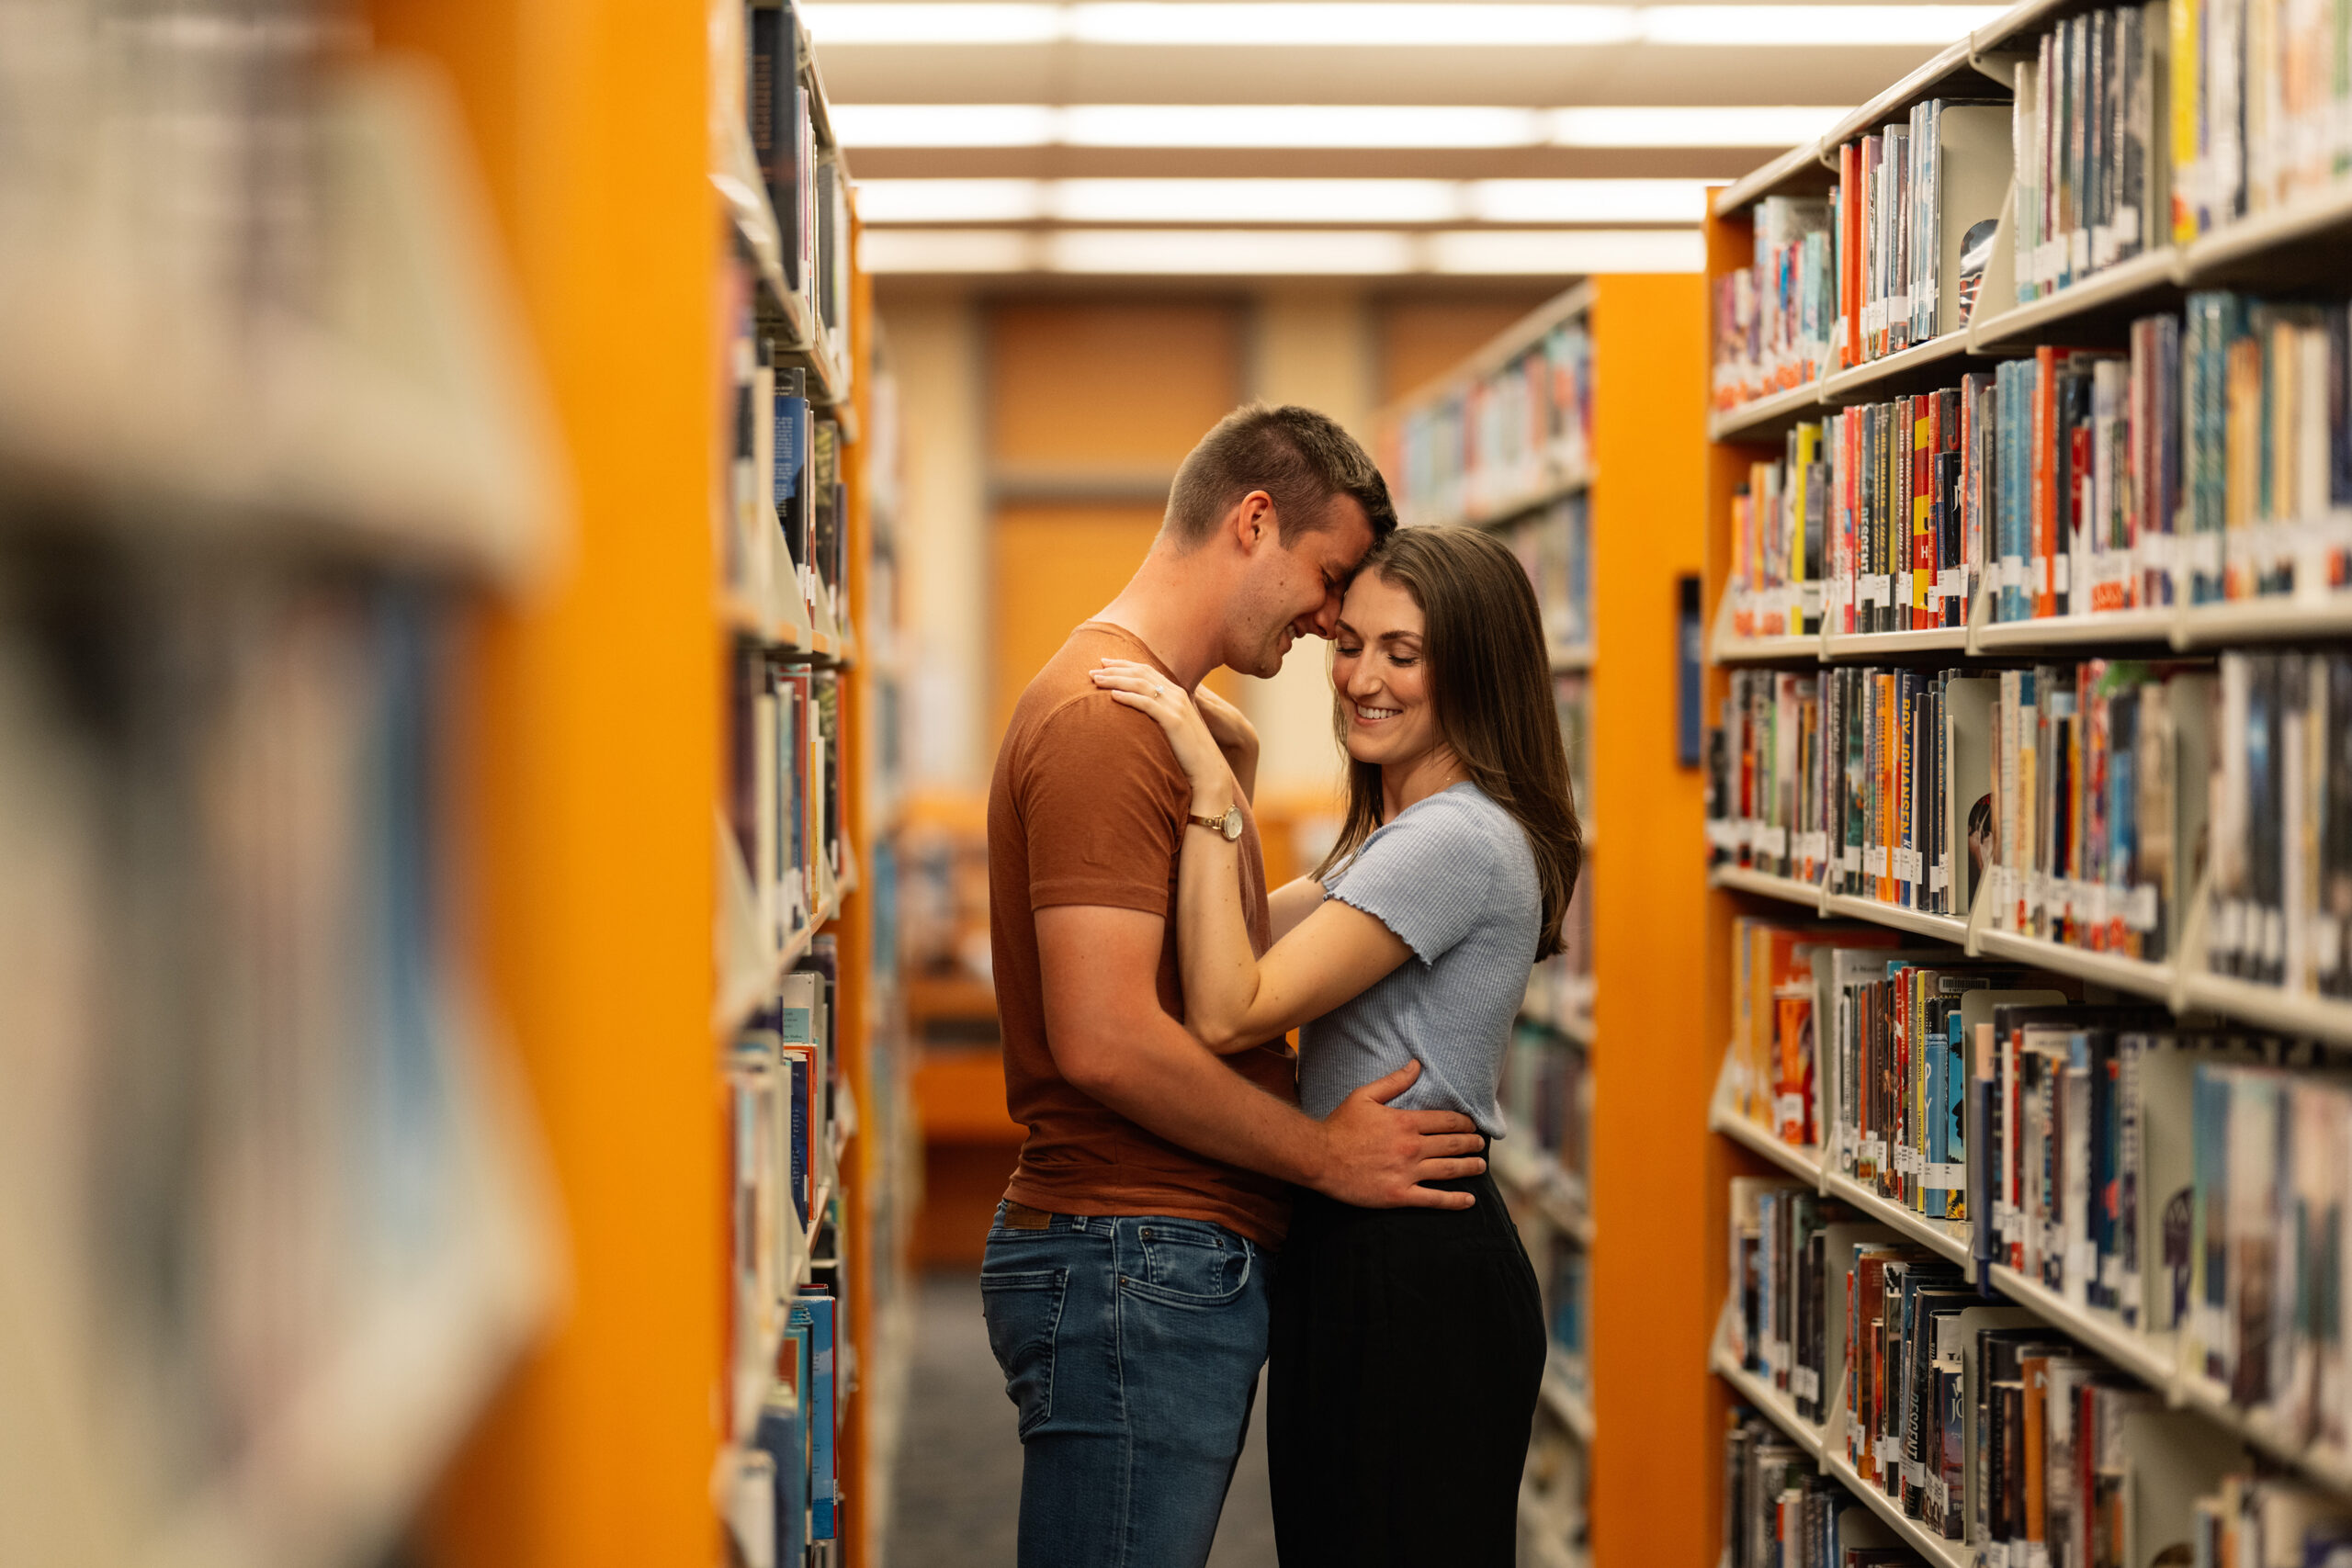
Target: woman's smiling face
column 1380, row 673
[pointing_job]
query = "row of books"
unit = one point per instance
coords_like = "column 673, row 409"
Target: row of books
column 2260, row 107
column 1982, row 1423
column 2181, row 1181
column 787, row 486
column 1781, row 1511
column 1547, row 1098
column 789, row 1110
column 1555, row 546
column 784, row 798
column 805, row 183
column 2129, row 128
column 1513, row 433
column 2078, row 796
column 2212, row 460
column 1560, row 988
column 2091, row 132
column 248, row 1157
column 1864, row 781
column 783, row 1507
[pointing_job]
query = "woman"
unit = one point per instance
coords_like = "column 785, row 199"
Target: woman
column 1407, row 1345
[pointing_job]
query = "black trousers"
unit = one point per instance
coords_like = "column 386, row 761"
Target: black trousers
column 1405, row 1361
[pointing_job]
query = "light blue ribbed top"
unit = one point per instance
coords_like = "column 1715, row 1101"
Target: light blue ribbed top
column 1453, row 878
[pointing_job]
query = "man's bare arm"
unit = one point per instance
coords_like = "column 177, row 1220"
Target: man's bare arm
column 1111, row 1038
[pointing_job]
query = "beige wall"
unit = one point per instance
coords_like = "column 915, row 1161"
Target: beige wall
column 1313, row 348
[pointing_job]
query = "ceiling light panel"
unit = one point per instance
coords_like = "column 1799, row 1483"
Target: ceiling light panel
column 1586, row 201
column 1256, row 201
column 1319, row 24
column 1322, row 23
column 896, row 201
column 951, row 201
column 1298, row 125
column 948, row 250
column 1527, row 252
column 1238, row 252
column 945, row 125
column 1666, row 125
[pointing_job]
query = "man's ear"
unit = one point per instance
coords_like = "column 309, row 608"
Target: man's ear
column 1254, row 522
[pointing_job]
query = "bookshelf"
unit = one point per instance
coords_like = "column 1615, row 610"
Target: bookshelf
column 1966, row 564
column 632, row 932
column 272, row 1222
column 1559, row 434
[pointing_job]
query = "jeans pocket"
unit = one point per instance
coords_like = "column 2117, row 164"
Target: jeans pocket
column 1190, row 1265
column 1023, row 1313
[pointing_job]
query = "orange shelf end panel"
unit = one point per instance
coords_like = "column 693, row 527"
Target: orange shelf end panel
column 1652, row 1069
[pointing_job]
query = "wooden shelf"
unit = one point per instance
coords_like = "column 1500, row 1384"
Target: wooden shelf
column 2137, row 976
column 1766, row 418
column 1765, row 885
column 1862, row 647
column 2289, row 1013
column 1952, row 928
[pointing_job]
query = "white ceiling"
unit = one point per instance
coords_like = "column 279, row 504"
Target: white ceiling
column 1055, row 224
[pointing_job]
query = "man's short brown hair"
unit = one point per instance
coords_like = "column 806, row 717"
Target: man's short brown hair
column 1299, row 458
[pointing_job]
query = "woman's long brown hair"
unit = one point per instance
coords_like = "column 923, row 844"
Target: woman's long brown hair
column 1490, row 680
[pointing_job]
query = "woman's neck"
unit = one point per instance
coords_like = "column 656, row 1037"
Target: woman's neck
column 1409, row 783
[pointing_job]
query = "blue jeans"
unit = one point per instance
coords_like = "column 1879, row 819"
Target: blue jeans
column 1131, row 1347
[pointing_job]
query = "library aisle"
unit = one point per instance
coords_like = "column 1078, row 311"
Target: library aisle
column 522, row 532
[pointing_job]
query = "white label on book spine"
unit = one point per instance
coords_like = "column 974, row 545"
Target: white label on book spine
column 2064, row 567
column 1903, row 588
column 1772, row 841
column 2205, row 553
column 1939, row 1495
column 1887, row 1451
column 1946, row 1174
column 1849, row 857
column 1951, row 582
column 1996, row 1555
column 1915, row 1474
column 2012, row 571
column 1788, row 1111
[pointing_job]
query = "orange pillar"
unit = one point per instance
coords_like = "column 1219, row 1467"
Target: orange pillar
column 1656, row 1281
column 593, row 777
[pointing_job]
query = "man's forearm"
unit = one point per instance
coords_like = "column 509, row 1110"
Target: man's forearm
column 1168, row 1081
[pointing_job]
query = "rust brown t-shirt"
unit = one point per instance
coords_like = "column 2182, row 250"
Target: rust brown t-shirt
column 1088, row 806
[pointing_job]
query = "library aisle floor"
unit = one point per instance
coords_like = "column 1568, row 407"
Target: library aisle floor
column 958, row 1500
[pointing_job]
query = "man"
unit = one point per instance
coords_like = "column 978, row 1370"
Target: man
column 1126, row 1278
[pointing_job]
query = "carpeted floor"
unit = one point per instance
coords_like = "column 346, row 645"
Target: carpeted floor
column 959, row 1486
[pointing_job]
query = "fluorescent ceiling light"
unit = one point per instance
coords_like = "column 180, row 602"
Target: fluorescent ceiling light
column 958, row 21
column 1282, row 201
column 1319, row 24
column 1587, row 201
column 1666, row 125
column 1185, row 125
column 1262, row 252
column 1321, row 125
column 950, row 201
column 1256, row 201
column 945, row 125
column 1295, row 125
column 1538, row 252
column 1230, row 251
column 1323, row 24
column 948, row 250
column 1746, row 27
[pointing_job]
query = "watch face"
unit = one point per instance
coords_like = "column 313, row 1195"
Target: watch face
column 1232, row 823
